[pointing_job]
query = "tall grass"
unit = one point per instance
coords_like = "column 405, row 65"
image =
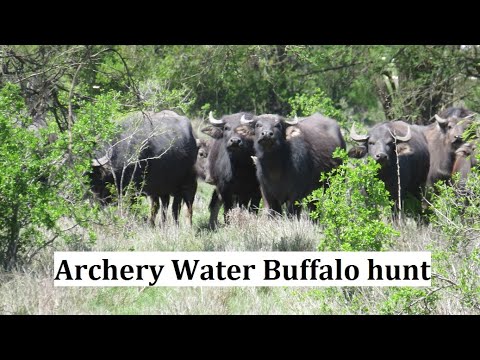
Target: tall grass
column 30, row 290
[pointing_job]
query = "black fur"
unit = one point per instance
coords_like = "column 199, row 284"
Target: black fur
column 231, row 168
column 291, row 158
column 414, row 157
column 163, row 166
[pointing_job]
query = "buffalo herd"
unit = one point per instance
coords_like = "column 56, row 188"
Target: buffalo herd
column 248, row 157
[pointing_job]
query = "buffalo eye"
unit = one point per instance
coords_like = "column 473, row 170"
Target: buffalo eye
column 258, row 125
column 371, row 143
column 226, row 128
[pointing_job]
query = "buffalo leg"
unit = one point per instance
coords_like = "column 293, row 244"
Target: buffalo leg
column 275, row 208
column 243, row 201
column 215, row 204
column 227, row 206
column 293, row 210
column 188, row 197
column 177, row 200
column 165, row 202
column 254, row 204
column 155, row 205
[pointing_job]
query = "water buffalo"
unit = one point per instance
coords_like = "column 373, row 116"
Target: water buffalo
column 201, row 166
column 154, row 152
column 413, row 156
column 444, row 137
column 465, row 161
column 229, row 165
column 291, row 155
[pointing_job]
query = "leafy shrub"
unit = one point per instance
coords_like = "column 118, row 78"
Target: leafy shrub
column 308, row 104
column 410, row 301
column 455, row 215
column 42, row 176
column 353, row 207
column 456, row 212
column 157, row 97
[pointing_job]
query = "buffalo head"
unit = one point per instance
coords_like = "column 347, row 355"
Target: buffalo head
column 271, row 130
column 453, row 127
column 380, row 141
column 100, row 177
column 235, row 135
column 201, row 165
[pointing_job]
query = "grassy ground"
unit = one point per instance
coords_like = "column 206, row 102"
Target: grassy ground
column 31, row 290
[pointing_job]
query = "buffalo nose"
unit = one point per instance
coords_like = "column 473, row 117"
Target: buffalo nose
column 380, row 156
column 267, row 133
column 235, row 141
column 457, row 138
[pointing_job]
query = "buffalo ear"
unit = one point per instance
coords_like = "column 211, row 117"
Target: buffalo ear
column 404, row 148
column 292, row 131
column 213, row 132
column 357, row 152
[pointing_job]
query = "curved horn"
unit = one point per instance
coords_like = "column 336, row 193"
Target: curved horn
column 440, row 120
column 100, row 162
column 357, row 137
column 245, row 121
column 407, row 136
column 214, row 121
column 293, row 122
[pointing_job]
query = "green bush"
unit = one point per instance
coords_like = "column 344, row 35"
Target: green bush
column 42, row 177
column 157, row 96
column 353, row 207
column 308, row 104
column 455, row 215
column 409, row 301
column 454, row 219
column 455, row 212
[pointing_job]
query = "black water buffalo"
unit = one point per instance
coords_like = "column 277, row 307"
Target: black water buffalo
column 413, row 156
column 156, row 153
column 444, row 137
column 229, row 165
column 290, row 156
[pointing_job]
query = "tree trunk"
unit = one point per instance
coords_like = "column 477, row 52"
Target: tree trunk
column 13, row 236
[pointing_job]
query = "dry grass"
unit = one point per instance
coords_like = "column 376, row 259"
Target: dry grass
column 31, row 290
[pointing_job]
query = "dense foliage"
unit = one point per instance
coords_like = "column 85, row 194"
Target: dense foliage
column 353, row 208
column 42, row 176
column 366, row 82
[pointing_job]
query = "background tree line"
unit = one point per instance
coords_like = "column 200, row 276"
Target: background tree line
column 371, row 82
